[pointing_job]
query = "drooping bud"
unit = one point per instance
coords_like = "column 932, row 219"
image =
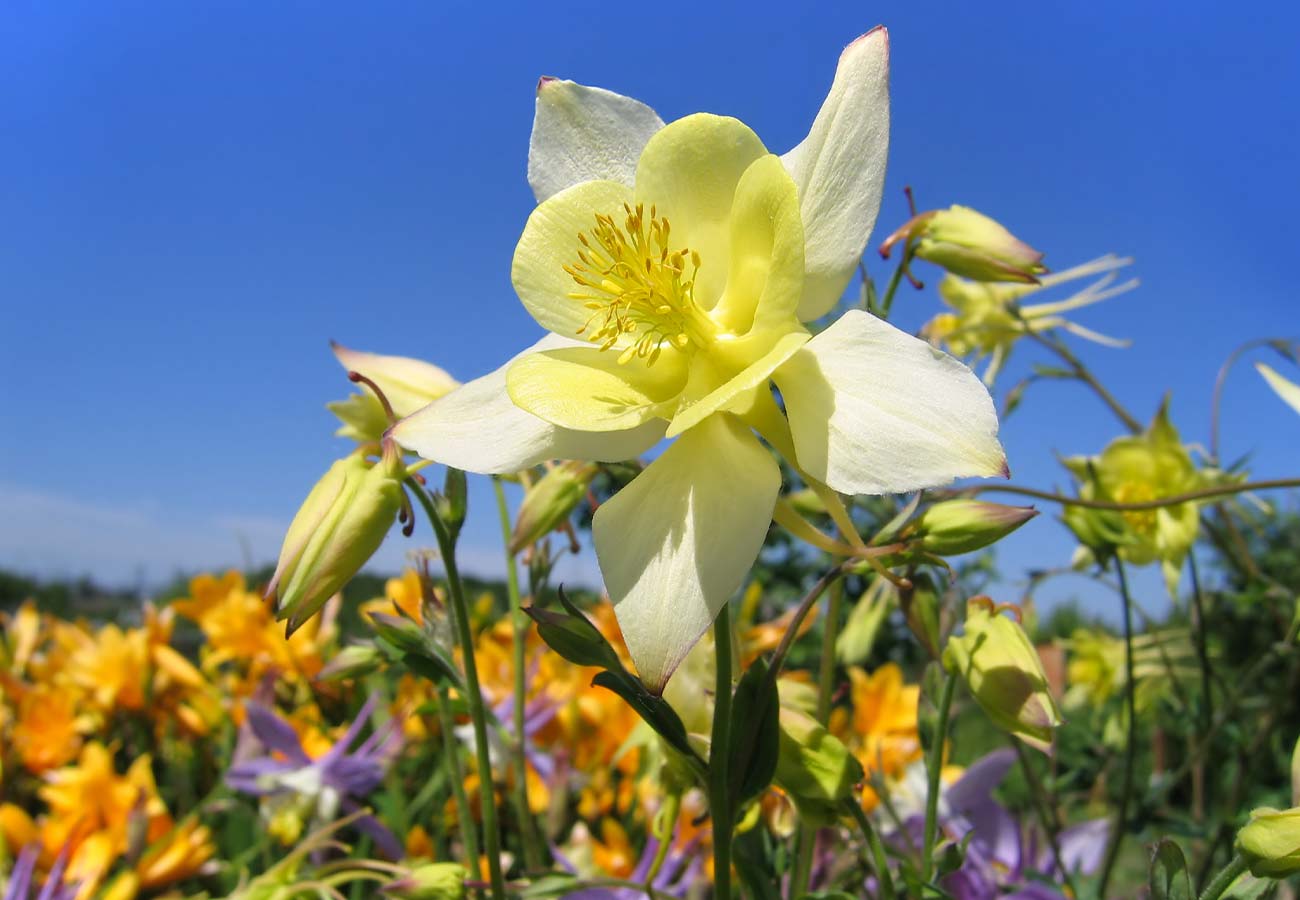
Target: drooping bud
column 548, row 504
column 1001, row 668
column 1270, row 842
column 968, row 243
column 339, row 527
column 814, row 767
column 964, row 526
column 431, row 881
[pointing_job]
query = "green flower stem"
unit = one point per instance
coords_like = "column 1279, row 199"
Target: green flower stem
column 1130, row 748
column 719, row 750
column 1045, row 807
column 518, row 630
column 879, row 861
column 1224, row 879
column 933, row 769
column 887, row 301
column 801, row 613
column 807, row 838
column 1222, row 490
column 1206, row 718
column 474, row 696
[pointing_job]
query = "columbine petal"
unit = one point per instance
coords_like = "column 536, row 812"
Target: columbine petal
column 723, row 392
column 550, row 242
column 1288, row 390
column 587, row 389
column 407, row 383
column 765, row 268
column 875, row 411
column 478, row 428
column 689, row 172
column 585, row 133
column 675, row 544
column 839, row 169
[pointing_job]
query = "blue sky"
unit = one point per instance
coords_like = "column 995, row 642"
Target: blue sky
column 196, row 197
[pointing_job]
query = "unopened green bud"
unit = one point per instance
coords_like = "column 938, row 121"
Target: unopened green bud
column 1295, row 774
column 572, row 636
column 1003, row 672
column 854, row 643
column 431, row 881
column 353, row 661
column 339, row 527
column 548, row 504
column 964, row 526
column 1270, row 842
column 969, row 243
column 806, row 502
column 814, row 767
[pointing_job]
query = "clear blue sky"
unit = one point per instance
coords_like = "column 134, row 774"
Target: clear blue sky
column 194, row 198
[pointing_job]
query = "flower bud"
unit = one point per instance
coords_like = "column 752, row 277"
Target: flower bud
column 339, row 527
column 353, row 661
column 969, row 243
column 548, row 504
column 431, row 881
column 1270, row 842
column 1003, row 672
column 814, row 767
column 963, row 526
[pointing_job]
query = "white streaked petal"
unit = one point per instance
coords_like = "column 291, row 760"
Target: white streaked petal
column 676, row 543
column 477, row 428
column 1288, row 390
column 407, row 383
column 585, row 133
column 876, row 411
column 839, row 169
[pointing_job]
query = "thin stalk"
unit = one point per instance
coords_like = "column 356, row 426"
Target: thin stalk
column 1206, row 712
column 1222, row 490
column 933, row 768
column 801, row 613
column 1045, row 807
column 887, row 301
column 518, row 630
column 719, row 750
column 1225, row 878
column 474, row 696
column 1130, row 750
column 878, row 858
column 1082, row 373
column 451, row 748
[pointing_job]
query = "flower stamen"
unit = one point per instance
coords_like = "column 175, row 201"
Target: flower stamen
column 638, row 287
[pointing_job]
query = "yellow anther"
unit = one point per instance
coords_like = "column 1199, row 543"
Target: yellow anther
column 636, row 285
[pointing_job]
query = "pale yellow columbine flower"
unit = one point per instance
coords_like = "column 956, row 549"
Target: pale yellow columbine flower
column 1288, row 390
column 988, row 318
column 675, row 266
column 408, row 384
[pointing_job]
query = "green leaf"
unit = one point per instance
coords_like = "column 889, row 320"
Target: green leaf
column 1168, row 877
column 432, row 667
column 573, row 636
column 554, row 884
column 755, row 734
column 655, row 711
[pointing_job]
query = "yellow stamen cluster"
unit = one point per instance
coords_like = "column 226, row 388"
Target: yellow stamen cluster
column 1143, row 521
column 636, row 286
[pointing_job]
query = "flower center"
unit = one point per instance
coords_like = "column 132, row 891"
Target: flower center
column 636, row 285
column 1143, row 521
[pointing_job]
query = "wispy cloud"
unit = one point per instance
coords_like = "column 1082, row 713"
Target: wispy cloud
column 55, row 536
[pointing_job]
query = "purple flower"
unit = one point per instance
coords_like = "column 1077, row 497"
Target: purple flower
column 22, row 878
column 1002, row 853
column 680, row 870
column 334, row 783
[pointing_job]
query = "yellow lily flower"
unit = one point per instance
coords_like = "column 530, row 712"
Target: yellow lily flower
column 675, row 266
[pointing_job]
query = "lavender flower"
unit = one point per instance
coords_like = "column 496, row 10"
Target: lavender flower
column 681, row 869
column 334, row 783
column 22, row 878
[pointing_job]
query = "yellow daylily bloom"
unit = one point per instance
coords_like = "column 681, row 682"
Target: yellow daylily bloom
column 675, row 266
column 988, row 318
column 1288, row 390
